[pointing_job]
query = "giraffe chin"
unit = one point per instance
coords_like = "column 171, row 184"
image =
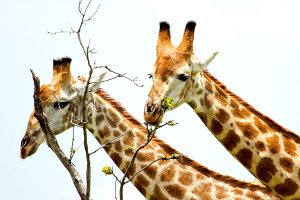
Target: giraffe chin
column 153, row 120
column 28, row 151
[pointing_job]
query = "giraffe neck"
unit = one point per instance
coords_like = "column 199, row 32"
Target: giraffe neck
column 267, row 150
column 172, row 179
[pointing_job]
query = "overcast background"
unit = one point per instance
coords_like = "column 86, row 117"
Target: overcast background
column 259, row 45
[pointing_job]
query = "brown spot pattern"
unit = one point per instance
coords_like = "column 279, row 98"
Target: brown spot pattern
column 186, row 178
column 122, row 127
column 247, row 129
column 114, row 116
column 193, row 104
column 289, row 146
column 216, row 127
column 151, row 171
column 158, row 195
column 209, row 87
column 237, row 191
column 116, row 133
column 253, row 195
column 99, row 119
column 111, row 122
column 231, row 140
column 118, row 146
column 260, row 146
column 258, row 123
column 203, row 191
column 144, row 157
column 222, row 115
column 116, row 158
column 273, row 144
column 141, row 180
column 288, row 188
column 266, row 169
column 221, row 192
column 175, row 191
column 208, row 100
column 221, row 92
column 287, row 164
column 245, row 157
column 106, row 131
column 221, row 99
column 167, row 173
column 203, row 117
column 128, row 138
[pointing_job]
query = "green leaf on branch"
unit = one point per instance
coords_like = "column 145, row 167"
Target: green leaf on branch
column 107, row 170
column 167, row 103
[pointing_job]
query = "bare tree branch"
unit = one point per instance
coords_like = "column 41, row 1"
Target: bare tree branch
column 51, row 140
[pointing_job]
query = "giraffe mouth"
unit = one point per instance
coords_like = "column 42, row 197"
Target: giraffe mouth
column 28, row 147
column 153, row 113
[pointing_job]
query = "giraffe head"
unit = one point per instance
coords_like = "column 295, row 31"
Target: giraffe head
column 62, row 101
column 174, row 72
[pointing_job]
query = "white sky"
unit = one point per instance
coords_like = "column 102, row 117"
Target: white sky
column 259, row 45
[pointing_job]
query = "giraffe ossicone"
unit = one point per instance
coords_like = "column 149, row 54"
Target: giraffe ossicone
column 269, row 151
column 109, row 121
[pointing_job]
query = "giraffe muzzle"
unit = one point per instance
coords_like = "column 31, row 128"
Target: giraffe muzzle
column 153, row 113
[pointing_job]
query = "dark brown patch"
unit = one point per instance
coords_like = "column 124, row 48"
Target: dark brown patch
column 99, row 119
column 245, row 112
column 140, row 188
column 221, row 192
column 111, row 122
column 289, row 146
column 118, row 146
column 208, row 100
column 209, row 87
column 186, row 178
column 258, row 123
column 145, row 157
column 253, row 195
column 141, row 180
column 116, row 158
column 266, row 169
column 221, row 99
column 247, row 129
column 273, row 144
column 106, row 131
column 193, row 104
column 132, row 168
column 175, row 191
column 203, row 191
column 151, row 171
column 116, row 133
column 201, row 102
column 237, row 191
column 260, row 146
column 288, row 188
column 122, row 127
column 287, row 164
column 114, row 116
column 245, row 157
column 199, row 91
column 203, row 117
column 216, row 127
column 158, row 195
column 128, row 138
column 222, row 115
column 231, row 140
column 167, row 173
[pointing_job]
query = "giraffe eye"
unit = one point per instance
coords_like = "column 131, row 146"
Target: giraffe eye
column 183, row 77
column 60, row 105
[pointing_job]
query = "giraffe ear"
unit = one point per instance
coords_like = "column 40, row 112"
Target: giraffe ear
column 164, row 37
column 197, row 65
column 186, row 44
column 95, row 83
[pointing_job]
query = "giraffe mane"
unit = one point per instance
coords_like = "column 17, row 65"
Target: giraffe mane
column 170, row 150
column 271, row 123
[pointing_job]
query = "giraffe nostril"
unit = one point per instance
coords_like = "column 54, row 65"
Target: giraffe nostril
column 24, row 142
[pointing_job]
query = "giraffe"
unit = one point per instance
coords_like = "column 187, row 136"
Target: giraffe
column 266, row 149
column 107, row 119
